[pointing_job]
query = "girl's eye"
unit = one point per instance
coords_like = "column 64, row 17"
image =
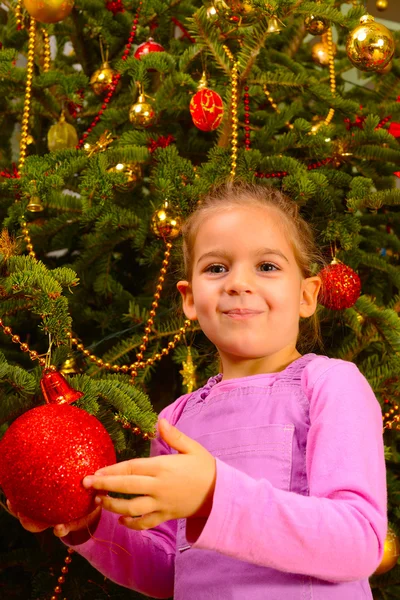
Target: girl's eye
column 265, row 267
column 216, row 269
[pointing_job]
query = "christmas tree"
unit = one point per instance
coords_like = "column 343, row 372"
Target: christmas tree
column 116, row 119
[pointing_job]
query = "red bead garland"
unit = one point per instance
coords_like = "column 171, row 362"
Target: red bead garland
column 115, row 81
column 310, row 167
column 247, row 141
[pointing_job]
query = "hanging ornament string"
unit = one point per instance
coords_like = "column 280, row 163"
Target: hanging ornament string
column 28, row 93
column 115, row 80
column 46, row 51
column 234, row 110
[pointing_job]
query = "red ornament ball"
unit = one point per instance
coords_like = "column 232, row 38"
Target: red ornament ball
column 147, row 48
column 207, row 109
column 45, row 454
column 341, row 286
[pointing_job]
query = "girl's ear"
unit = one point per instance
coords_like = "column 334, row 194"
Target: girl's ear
column 185, row 290
column 309, row 296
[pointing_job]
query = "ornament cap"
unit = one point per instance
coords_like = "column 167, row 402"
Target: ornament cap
column 56, row 389
column 367, row 19
column 203, row 82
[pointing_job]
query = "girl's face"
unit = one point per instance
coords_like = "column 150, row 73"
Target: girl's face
column 247, row 291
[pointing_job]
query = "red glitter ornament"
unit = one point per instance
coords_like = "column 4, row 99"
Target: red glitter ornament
column 207, row 109
column 341, row 286
column 147, row 48
column 45, row 454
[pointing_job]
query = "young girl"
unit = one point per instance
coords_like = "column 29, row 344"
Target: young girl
column 268, row 482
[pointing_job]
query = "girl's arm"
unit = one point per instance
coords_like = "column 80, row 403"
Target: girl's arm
column 338, row 531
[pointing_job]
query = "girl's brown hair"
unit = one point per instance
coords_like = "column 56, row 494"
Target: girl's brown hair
column 299, row 233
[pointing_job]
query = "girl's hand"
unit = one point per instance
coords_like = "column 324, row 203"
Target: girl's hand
column 172, row 486
column 58, row 530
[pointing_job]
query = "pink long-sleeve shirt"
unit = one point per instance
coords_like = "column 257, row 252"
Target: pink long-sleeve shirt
column 299, row 508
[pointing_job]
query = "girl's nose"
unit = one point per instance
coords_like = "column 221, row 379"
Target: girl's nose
column 239, row 282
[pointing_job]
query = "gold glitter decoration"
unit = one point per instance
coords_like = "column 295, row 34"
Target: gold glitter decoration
column 28, row 93
column 188, row 373
column 101, row 145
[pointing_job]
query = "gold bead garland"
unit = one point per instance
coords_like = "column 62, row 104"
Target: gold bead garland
column 327, row 38
column 27, row 238
column 234, row 110
column 33, row 355
column 139, row 363
column 18, row 16
column 28, row 93
column 46, row 51
column 332, row 77
column 271, row 100
column 64, row 570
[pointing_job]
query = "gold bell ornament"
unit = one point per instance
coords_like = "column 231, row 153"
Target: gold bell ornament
column 316, row 25
column 391, row 553
column 238, row 12
column 62, row 135
column 70, row 366
column 274, row 25
column 142, row 113
column 132, row 173
column 49, row 11
column 35, row 204
column 101, row 79
column 165, row 223
column 370, row 46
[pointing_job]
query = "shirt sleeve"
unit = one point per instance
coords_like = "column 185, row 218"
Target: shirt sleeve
column 336, row 533
column 140, row 560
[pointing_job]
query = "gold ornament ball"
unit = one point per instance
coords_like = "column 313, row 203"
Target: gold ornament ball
column 382, row 4
column 49, row 11
column 62, row 136
column 320, row 53
column 132, row 173
column 370, row 46
column 142, row 114
column 101, row 79
column 238, row 12
column 386, row 69
column 316, row 25
column 165, row 224
column 391, row 552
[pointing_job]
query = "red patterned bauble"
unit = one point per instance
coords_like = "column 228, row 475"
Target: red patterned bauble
column 207, row 109
column 147, row 48
column 341, row 286
column 45, row 454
